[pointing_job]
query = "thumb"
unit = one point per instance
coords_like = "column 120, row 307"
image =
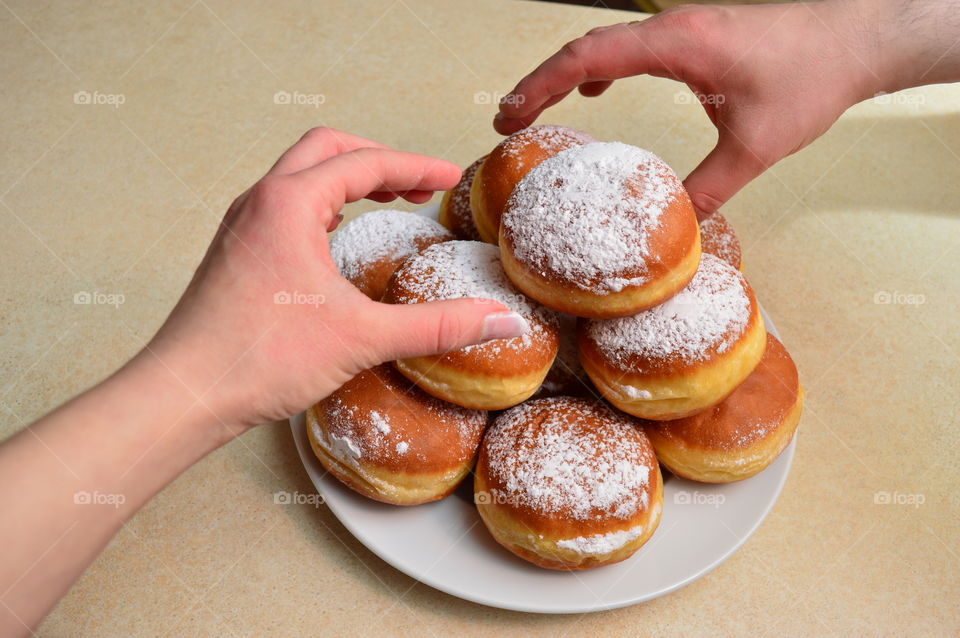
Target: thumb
column 730, row 166
column 417, row 330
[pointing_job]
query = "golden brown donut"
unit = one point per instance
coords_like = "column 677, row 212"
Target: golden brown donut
column 600, row 230
column 741, row 435
column 488, row 376
column 567, row 483
column 369, row 248
column 717, row 237
column 386, row 439
column 508, row 163
column 455, row 214
column 567, row 376
column 682, row 356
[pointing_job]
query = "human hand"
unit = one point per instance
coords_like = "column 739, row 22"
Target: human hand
column 772, row 78
column 267, row 326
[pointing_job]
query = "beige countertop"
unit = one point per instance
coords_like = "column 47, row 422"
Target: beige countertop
column 122, row 198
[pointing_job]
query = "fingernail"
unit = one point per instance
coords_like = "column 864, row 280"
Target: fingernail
column 503, row 325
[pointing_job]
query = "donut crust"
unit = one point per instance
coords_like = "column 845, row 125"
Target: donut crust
column 742, row 435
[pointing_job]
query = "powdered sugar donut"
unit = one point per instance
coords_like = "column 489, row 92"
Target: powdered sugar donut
column 369, row 248
column 742, row 434
column 455, row 213
column 506, row 165
column 392, row 442
column 567, row 376
column 717, row 237
column 488, row 376
column 601, row 230
column 567, row 483
column 682, row 356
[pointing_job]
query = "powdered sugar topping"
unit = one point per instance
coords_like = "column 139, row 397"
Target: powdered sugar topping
column 585, row 214
column 570, row 456
column 550, row 137
column 718, row 238
column 380, row 234
column 361, row 426
column 469, row 269
column 460, row 214
column 713, row 311
column 600, row 544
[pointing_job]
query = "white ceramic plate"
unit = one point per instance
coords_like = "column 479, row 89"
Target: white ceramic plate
column 445, row 544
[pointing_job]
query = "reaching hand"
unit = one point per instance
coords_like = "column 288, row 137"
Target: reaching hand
column 269, row 325
column 771, row 78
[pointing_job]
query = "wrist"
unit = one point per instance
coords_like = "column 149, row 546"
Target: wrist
column 854, row 25
column 174, row 400
column 908, row 43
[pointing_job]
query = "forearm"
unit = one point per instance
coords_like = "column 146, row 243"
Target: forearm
column 71, row 479
column 909, row 42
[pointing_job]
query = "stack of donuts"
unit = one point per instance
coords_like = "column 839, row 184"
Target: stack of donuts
column 646, row 348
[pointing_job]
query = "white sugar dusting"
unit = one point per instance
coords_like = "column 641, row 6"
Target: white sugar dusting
column 460, row 211
column 381, row 234
column 636, row 393
column 549, row 137
column 585, row 214
column 344, row 448
column 600, row 544
column 356, row 430
column 718, row 238
column 711, row 312
column 549, row 458
column 379, row 422
column 470, row 269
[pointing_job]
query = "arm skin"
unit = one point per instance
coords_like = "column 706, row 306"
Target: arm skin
column 785, row 72
column 226, row 359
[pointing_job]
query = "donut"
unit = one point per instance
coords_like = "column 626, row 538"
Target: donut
column 600, row 230
column 566, row 376
column 567, row 483
column 717, row 237
column 683, row 356
column 388, row 440
column 506, row 165
column 455, row 214
column 368, row 249
column 493, row 375
column 741, row 435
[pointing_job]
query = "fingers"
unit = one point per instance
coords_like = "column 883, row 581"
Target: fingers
column 424, row 329
column 730, row 166
column 595, row 60
column 317, row 145
column 351, row 176
column 594, row 89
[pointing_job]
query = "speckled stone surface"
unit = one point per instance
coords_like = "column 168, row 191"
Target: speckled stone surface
column 853, row 245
